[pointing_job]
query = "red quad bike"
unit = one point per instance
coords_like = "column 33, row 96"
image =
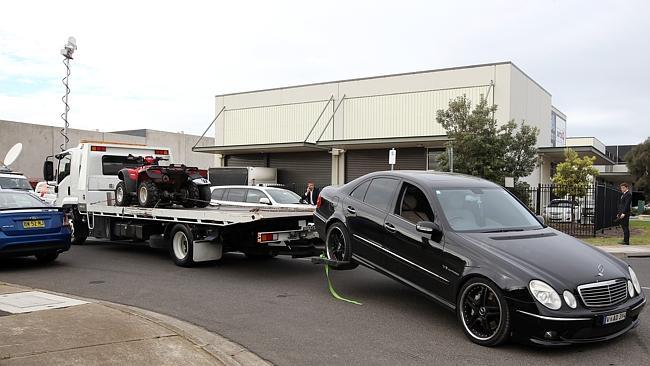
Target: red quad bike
column 155, row 185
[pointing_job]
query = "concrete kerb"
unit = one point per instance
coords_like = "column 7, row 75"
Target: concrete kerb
column 219, row 347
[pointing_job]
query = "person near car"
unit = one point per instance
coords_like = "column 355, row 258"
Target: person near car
column 311, row 195
column 624, row 210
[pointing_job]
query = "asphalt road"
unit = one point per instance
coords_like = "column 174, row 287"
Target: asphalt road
column 281, row 309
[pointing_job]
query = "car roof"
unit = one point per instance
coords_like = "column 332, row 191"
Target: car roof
column 249, row 187
column 438, row 179
column 12, row 175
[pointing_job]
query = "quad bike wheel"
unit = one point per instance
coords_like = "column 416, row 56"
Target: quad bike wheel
column 204, row 196
column 148, row 195
column 122, row 196
column 191, row 194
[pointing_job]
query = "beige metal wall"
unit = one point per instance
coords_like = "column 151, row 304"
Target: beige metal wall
column 40, row 141
column 390, row 106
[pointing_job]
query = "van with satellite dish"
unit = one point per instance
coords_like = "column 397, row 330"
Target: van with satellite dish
column 10, row 179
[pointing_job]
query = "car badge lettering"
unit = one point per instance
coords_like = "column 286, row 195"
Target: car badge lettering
column 601, row 271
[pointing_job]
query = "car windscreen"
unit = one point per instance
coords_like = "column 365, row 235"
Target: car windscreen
column 15, row 183
column 9, row 200
column 283, row 196
column 484, row 210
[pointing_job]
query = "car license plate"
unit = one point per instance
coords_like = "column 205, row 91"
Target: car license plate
column 608, row 319
column 32, row 224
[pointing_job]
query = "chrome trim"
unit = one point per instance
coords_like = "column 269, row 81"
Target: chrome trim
column 407, row 282
column 400, row 257
column 321, row 217
column 597, row 284
column 552, row 318
column 638, row 306
column 602, row 296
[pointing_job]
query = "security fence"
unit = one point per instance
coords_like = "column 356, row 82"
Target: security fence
column 583, row 214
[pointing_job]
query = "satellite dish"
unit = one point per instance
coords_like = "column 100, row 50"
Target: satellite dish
column 13, row 153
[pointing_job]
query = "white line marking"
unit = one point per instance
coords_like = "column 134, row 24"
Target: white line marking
column 647, row 288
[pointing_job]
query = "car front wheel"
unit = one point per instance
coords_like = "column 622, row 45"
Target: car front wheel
column 483, row 312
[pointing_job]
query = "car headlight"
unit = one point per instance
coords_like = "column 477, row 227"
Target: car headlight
column 635, row 280
column 630, row 288
column 545, row 294
column 570, row 299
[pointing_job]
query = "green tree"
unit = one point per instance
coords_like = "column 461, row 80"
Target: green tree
column 573, row 176
column 638, row 163
column 481, row 147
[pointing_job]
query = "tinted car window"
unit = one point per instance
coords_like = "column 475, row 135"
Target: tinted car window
column 413, row 205
column 254, row 195
column 380, row 192
column 360, row 191
column 15, row 183
column 217, row 194
column 10, row 200
column 236, row 195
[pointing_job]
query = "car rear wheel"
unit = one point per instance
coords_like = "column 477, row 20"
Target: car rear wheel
column 46, row 257
column 338, row 246
column 483, row 312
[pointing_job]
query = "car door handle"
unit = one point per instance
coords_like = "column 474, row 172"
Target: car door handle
column 390, row 227
column 351, row 210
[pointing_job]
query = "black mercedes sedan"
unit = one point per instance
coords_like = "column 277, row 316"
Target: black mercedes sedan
column 474, row 248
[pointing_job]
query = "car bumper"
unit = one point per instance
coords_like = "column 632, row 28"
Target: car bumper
column 320, row 223
column 16, row 246
column 580, row 328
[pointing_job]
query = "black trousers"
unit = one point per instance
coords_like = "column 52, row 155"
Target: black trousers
column 625, row 225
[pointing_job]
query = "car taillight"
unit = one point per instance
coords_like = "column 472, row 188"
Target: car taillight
column 318, row 201
column 264, row 237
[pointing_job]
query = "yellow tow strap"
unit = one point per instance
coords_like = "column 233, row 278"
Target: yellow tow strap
column 332, row 291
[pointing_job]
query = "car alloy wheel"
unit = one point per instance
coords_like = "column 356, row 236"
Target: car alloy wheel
column 336, row 244
column 483, row 313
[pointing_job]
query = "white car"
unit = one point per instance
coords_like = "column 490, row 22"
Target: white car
column 559, row 210
column 256, row 196
column 14, row 181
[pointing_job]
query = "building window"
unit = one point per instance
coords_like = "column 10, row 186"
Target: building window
column 432, row 158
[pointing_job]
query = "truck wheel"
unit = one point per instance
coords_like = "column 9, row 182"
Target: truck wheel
column 122, row 196
column 148, row 195
column 46, row 257
column 191, row 195
column 78, row 232
column 182, row 246
column 204, row 196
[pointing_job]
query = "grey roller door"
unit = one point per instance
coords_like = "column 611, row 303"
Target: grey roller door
column 257, row 160
column 361, row 162
column 296, row 169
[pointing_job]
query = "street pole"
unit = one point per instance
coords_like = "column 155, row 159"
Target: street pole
column 67, row 52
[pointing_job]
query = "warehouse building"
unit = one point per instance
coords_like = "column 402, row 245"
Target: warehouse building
column 333, row 132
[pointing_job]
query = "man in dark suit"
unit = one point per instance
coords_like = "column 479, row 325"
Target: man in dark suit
column 311, row 196
column 624, row 210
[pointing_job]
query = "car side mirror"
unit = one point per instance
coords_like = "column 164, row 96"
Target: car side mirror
column 48, row 171
column 541, row 220
column 431, row 228
column 265, row 201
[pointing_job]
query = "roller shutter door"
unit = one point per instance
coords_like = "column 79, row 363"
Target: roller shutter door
column 257, row 160
column 296, row 169
column 361, row 162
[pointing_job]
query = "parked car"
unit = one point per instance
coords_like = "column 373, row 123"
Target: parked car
column 560, row 210
column 29, row 226
column 45, row 191
column 256, row 196
column 469, row 245
column 14, row 181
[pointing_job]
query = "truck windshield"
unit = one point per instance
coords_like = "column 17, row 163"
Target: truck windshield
column 9, row 200
column 15, row 183
column 283, row 196
column 484, row 210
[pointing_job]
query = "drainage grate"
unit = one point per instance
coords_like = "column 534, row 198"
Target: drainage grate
column 26, row 302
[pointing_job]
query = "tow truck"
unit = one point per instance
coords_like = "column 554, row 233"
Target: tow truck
column 86, row 178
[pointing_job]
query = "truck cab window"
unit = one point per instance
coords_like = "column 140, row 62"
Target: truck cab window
column 413, row 205
column 64, row 168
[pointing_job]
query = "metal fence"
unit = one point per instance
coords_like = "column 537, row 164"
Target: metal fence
column 578, row 215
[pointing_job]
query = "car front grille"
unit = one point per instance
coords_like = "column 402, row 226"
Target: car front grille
column 601, row 294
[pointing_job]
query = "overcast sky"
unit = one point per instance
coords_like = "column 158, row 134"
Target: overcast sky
column 159, row 64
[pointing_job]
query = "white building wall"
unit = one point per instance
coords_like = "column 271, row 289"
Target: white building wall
column 530, row 103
